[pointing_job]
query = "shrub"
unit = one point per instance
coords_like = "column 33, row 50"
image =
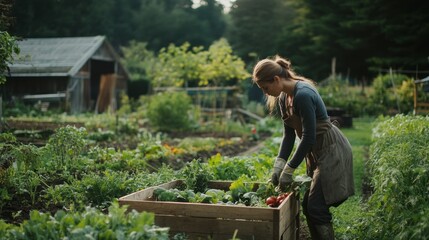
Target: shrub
column 398, row 208
column 391, row 93
column 91, row 224
column 338, row 93
column 168, row 111
column 66, row 144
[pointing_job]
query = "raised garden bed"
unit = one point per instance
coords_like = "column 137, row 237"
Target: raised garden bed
column 214, row 221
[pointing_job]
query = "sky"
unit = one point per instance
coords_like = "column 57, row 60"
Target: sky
column 225, row 3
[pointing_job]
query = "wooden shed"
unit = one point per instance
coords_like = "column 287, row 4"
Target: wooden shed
column 81, row 73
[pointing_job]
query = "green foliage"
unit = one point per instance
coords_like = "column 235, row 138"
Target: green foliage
column 398, row 208
column 338, row 93
column 232, row 168
column 101, row 135
column 221, row 66
column 125, row 108
column 386, row 93
column 192, row 66
column 390, row 93
column 168, row 111
column 158, row 23
column 8, row 47
column 7, row 138
column 196, row 176
column 100, row 188
column 91, row 224
column 364, row 37
column 138, row 60
column 240, row 186
column 163, row 22
column 24, row 157
column 66, row 144
column 177, row 66
column 251, row 35
column 27, row 183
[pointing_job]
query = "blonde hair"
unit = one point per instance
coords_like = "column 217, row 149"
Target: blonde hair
column 266, row 69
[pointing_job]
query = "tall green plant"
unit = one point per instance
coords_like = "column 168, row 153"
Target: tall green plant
column 387, row 94
column 398, row 208
column 8, row 47
column 168, row 111
column 90, row 224
column 66, row 144
column 184, row 65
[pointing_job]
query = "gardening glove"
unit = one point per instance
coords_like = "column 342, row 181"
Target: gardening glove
column 279, row 164
column 286, row 179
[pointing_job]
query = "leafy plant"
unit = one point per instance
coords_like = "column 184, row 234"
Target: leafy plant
column 66, row 144
column 399, row 167
column 193, row 66
column 8, row 48
column 386, row 92
column 232, row 168
column 196, row 175
column 90, row 224
column 168, row 111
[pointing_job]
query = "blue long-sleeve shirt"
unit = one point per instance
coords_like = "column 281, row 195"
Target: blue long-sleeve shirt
column 309, row 106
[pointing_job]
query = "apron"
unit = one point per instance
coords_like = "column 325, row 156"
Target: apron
column 331, row 155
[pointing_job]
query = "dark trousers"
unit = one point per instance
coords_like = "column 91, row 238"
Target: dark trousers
column 313, row 204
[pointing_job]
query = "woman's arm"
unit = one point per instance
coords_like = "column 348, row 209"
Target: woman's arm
column 287, row 143
column 304, row 104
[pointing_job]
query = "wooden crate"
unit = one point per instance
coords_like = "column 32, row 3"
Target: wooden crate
column 214, row 221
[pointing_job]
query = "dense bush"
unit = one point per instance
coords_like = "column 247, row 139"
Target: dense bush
column 338, row 93
column 91, row 224
column 399, row 167
column 388, row 94
column 168, row 111
column 66, row 145
column 392, row 92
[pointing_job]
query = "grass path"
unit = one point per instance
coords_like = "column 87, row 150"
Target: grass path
column 360, row 139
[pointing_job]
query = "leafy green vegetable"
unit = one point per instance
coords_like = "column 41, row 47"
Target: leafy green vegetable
column 239, row 187
column 197, row 176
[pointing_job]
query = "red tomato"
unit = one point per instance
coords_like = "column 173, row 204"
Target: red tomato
column 271, row 201
column 281, row 198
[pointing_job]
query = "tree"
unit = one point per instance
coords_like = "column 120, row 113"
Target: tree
column 160, row 23
column 138, row 60
column 222, row 67
column 256, row 26
column 185, row 66
column 8, row 45
column 364, row 36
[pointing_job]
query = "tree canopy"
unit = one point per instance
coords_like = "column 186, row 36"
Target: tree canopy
column 8, row 44
column 185, row 66
column 157, row 22
column 364, row 36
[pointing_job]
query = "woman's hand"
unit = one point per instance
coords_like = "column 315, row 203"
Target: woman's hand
column 286, row 179
column 279, row 164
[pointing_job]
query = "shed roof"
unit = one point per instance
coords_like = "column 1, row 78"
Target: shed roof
column 55, row 56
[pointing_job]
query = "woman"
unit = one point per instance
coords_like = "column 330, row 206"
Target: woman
column 327, row 151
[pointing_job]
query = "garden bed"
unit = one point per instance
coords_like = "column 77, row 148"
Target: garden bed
column 214, row 221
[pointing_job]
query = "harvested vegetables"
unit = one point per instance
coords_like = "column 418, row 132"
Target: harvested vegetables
column 239, row 194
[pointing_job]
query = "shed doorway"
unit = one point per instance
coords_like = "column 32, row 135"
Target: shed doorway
column 98, row 69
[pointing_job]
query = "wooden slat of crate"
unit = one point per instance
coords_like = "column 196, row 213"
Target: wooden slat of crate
column 223, row 228
column 218, row 221
column 203, row 210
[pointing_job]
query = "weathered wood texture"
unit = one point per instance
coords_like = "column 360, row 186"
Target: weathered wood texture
column 213, row 221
